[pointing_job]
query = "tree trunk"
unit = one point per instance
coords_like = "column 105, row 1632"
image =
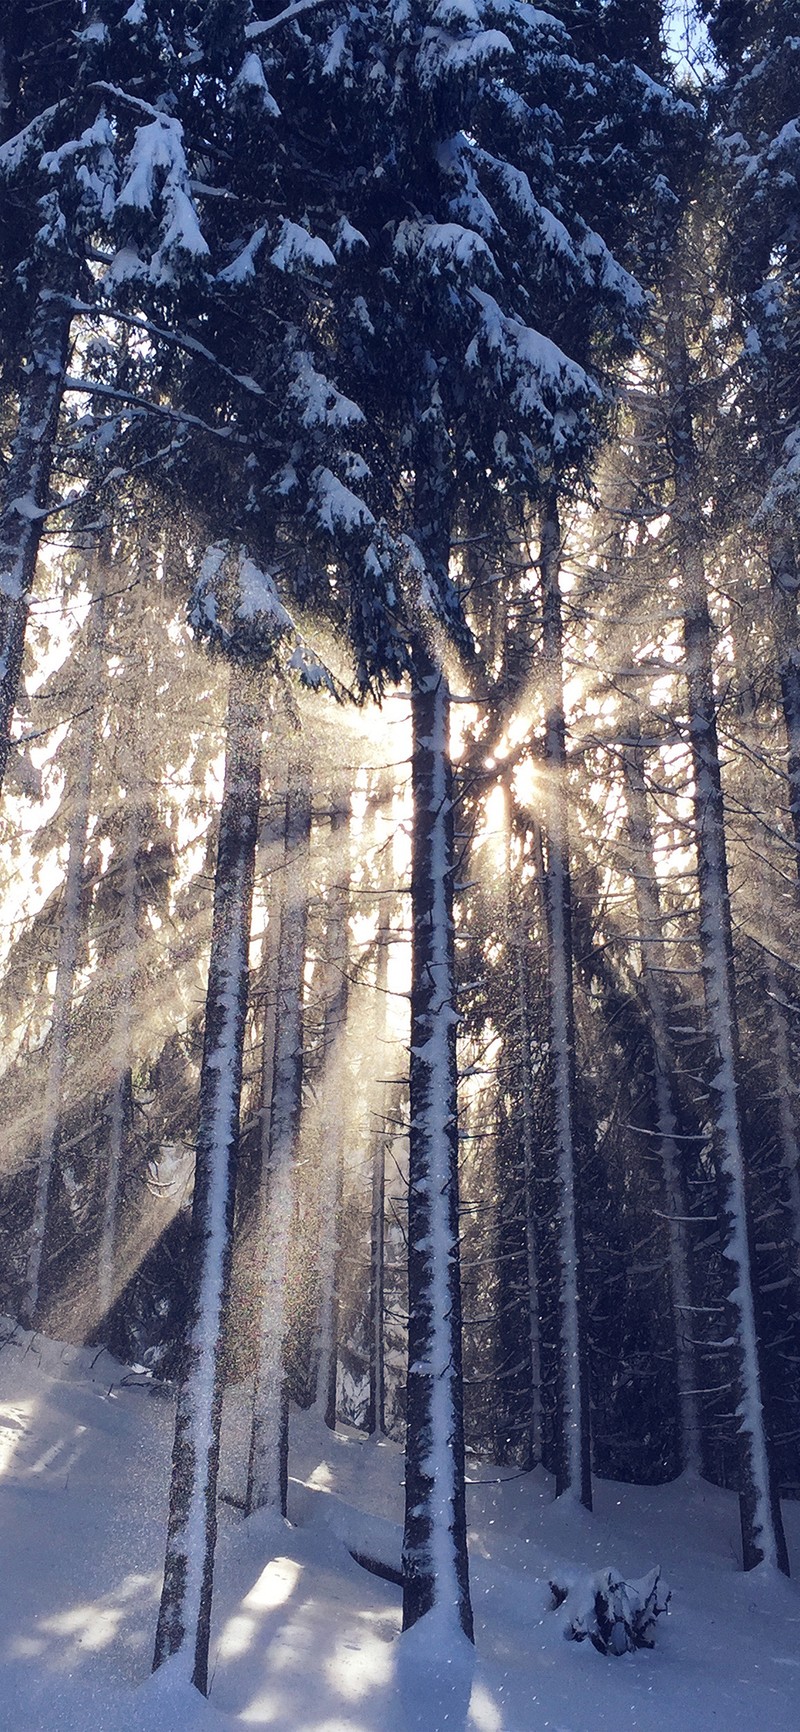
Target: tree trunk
column 268, row 1463
column 648, row 908
column 376, row 1406
column 574, row 1471
column 185, row 1613
column 121, row 1058
column 68, row 946
column 762, row 1529
column 333, row 1116
column 435, row 1566
column 785, row 584
column 25, row 490
column 534, row 1452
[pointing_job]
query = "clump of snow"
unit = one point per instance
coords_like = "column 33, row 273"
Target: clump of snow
column 251, row 79
column 297, row 250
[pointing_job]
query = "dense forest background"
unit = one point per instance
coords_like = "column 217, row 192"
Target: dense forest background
column 400, row 442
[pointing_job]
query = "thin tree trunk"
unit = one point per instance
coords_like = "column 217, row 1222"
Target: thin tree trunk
column 24, row 496
column 529, row 1173
column 268, row 1463
column 574, row 1471
column 648, row 907
column 68, row 947
column 785, row 584
column 333, row 1116
column 762, row 1528
column 435, row 1566
column 185, row 1613
column 376, row 1406
column 122, row 1053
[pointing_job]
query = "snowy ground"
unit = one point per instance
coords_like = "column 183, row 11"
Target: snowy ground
column 306, row 1640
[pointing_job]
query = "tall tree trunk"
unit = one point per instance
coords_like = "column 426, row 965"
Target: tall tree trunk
column 435, row 1567
column 333, row 1115
column 762, row 1528
column 522, row 983
column 121, row 1056
column 574, row 1469
column 267, row 1468
column 68, row 947
column 376, row 1405
column 24, row 496
column 185, row 1614
column 653, row 959
column 785, row 584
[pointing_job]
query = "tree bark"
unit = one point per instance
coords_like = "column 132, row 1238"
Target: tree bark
column 648, row 908
column 121, row 1057
column 185, row 1613
column 268, row 1464
column 574, row 1470
column 785, row 584
column 333, row 1116
column 762, row 1528
column 534, row 1452
column 435, row 1567
column 24, row 496
column 376, row 1405
column 68, row 947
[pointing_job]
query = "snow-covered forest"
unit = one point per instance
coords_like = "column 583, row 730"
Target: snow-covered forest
column 400, row 881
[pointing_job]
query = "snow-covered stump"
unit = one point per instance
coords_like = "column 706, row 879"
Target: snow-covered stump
column 24, row 497
column 616, row 1616
column 267, row 1466
column 185, row 1612
column 68, row 947
column 435, row 1566
column 574, row 1467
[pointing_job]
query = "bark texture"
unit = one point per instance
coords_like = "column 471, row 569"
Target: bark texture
column 185, row 1611
column 573, row 1470
column 25, row 494
column 267, row 1470
column 763, row 1538
column 435, row 1569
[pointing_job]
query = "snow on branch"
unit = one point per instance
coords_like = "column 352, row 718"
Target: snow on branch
column 544, row 381
column 157, row 171
column 16, row 150
column 236, row 608
column 298, row 250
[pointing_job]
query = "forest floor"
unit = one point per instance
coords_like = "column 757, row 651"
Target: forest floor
column 304, row 1639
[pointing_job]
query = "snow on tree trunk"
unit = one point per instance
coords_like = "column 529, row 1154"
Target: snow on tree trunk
column 435, row 1567
column 333, row 1116
column 785, row 583
column 267, row 1468
column 762, row 1529
column 24, row 497
column 534, row 1453
column 185, row 1612
column 66, row 966
column 653, row 961
column 573, row 1473
column 121, row 1060
column 376, row 1405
